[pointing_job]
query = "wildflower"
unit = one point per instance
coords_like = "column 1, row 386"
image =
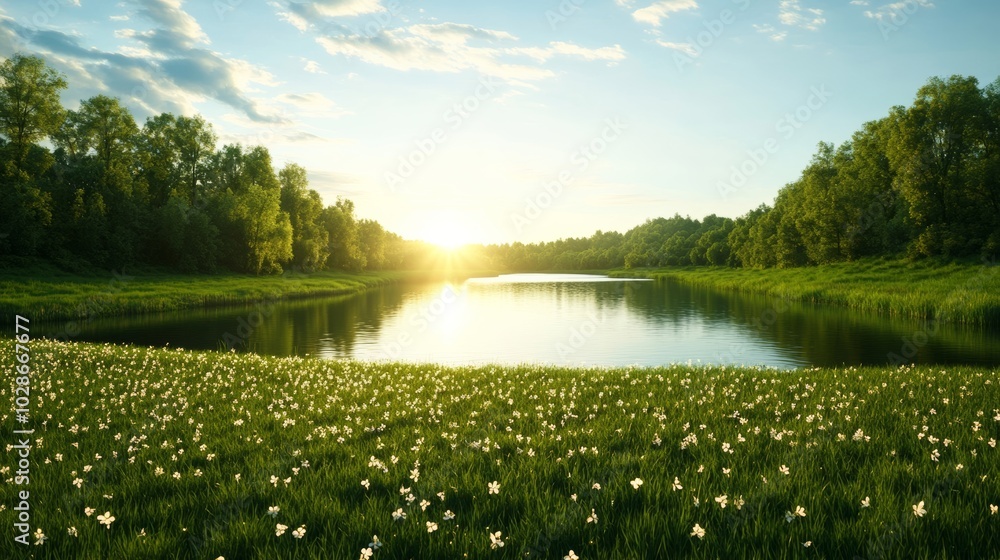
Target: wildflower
column 273, row 511
column 366, row 553
column 300, row 532
column 494, row 487
column 571, row 556
column 636, row 483
column 237, row 476
column 866, row 502
column 959, row 467
column 71, row 531
column 375, row 544
column 158, row 471
column 107, row 519
column 593, row 517
column 698, row 531
column 596, row 486
column 784, row 470
column 495, row 540
column 431, row 526
column 365, row 484
column 398, row 514
column 441, row 495
column 40, row 537
column 993, row 509
column 791, row 515
column 449, row 515
column 722, row 500
column 677, row 484
column 280, row 529
column 424, row 504
column 403, row 491
column 807, row 544
column 78, row 482
column 919, row 510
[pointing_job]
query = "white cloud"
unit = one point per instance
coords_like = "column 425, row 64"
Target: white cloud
column 895, row 9
column 312, row 66
column 451, row 47
column 658, row 11
column 769, row 30
column 791, row 13
column 686, row 48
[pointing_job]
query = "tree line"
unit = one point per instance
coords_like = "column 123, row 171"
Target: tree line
column 110, row 192
column 923, row 181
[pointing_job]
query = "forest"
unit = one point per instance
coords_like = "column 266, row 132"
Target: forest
column 93, row 186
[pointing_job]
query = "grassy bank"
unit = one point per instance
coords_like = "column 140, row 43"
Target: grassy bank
column 44, row 292
column 189, row 452
column 962, row 293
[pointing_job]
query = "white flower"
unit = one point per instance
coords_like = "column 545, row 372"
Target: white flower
column 449, row 515
column 398, row 514
column 71, row 531
column 39, row 536
column 365, row 484
column 784, row 470
column 78, row 482
column 866, row 502
column 495, row 540
column 636, row 483
column 593, row 517
column 791, row 515
column 571, row 556
column 919, row 510
column 424, row 504
column 993, row 509
column 596, row 486
column 494, row 487
column 107, row 519
column 807, row 544
column 722, row 500
column 431, row 526
column 273, row 511
column 300, row 532
column 698, row 531
column 375, row 544
column 280, row 529
column 366, row 553
column 677, row 484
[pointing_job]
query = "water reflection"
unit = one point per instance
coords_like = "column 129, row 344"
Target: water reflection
column 564, row 319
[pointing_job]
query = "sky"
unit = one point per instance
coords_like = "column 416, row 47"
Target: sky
column 523, row 120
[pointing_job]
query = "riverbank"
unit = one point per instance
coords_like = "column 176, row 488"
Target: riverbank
column 205, row 454
column 43, row 292
column 961, row 293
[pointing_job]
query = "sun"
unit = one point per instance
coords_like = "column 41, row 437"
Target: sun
column 449, row 230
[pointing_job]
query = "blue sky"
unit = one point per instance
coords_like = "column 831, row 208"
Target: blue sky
column 521, row 120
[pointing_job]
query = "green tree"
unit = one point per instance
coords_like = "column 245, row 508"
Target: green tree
column 305, row 209
column 29, row 104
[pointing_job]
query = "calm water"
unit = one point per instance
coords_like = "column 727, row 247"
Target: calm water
column 560, row 319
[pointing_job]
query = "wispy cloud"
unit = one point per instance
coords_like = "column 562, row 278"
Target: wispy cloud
column 655, row 13
column 770, row 31
column 887, row 11
column 791, row 13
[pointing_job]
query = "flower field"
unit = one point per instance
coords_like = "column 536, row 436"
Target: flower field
column 150, row 453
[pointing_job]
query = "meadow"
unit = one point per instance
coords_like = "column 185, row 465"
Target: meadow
column 164, row 453
column 954, row 292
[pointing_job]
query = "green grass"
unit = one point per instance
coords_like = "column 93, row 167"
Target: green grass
column 47, row 293
column 303, row 434
column 954, row 292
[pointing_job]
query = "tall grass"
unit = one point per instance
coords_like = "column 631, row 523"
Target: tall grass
column 961, row 293
column 338, row 447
